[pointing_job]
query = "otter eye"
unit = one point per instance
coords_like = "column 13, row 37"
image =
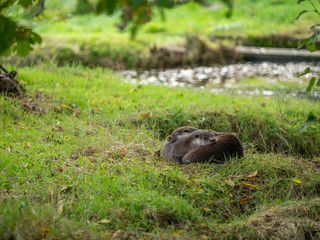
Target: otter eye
column 186, row 131
column 197, row 136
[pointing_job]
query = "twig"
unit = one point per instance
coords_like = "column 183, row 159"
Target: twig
column 3, row 69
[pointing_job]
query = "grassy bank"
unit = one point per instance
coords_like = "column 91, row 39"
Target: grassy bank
column 94, row 40
column 78, row 160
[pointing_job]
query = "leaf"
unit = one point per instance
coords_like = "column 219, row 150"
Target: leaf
column 244, row 200
column 311, row 84
column 311, row 116
column 104, row 221
column 300, row 1
column 165, row 3
column 60, row 206
column 312, row 47
column 248, row 184
column 314, row 36
column 306, row 71
column 253, row 174
column 45, row 230
column 176, row 233
column 144, row 114
column 300, row 14
column 230, row 182
column 108, row 6
column 207, row 209
column 296, row 180
column 313, row 26
column 318, row 82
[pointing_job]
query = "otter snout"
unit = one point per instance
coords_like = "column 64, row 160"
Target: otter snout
column 213, row 140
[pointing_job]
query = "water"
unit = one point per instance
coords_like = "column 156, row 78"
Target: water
column 229, row 78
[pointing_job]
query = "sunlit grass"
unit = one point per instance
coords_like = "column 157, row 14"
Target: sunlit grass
column 79, row 159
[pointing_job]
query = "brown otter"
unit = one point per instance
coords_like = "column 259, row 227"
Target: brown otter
column 186, row 144
column 227, row 145
column 175, row 135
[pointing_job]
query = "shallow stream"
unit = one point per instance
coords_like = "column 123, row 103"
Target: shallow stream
column 264, row 78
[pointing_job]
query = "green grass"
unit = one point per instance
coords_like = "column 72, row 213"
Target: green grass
column 78, row 161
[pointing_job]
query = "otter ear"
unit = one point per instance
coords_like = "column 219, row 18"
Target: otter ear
column 169, row 138
column 186, row 131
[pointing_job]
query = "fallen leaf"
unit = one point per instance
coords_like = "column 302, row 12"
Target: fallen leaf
column 248, row 184
column 104, row 221
column 296, row 180
column 244, row 200
column 230, row 182
column 207, row 209
column 144, row 114
column 60, row 206
column 45, row 230
column 253, row 174
column 176, row 233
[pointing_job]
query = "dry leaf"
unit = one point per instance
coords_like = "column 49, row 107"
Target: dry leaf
column 248, row 184
column 45, row 230
column 207, row 209
column 60, row 206
column 230, row 182
column 244, row 200
column 144, row 114
column 297, row 180
column 176, row 233
column 253, row 174
column 104, row 221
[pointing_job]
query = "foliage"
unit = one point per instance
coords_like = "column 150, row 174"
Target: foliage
column 13, row 36
column 310, row 42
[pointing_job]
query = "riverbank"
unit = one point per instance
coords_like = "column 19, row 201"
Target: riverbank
column 79, row 159
column 208, row 39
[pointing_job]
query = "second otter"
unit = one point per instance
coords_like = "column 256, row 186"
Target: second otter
column 227, row 145
column 192, row 141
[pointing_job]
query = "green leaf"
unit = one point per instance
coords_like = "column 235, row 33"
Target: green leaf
column 311, row 116
column 312, row 47
column 165, row 3
column 314, row 36
column 108, row 6
column 313, row 26
column 26, row 3
column 311, row 84
column 300, row 14
column 16, row 38
column 318, row 82
column 300, row 1
column 307, row 70
column 306, row 41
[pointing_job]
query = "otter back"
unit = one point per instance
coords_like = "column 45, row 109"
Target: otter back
column 227, row 145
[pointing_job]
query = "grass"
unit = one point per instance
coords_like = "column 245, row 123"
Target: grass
column 78, row 160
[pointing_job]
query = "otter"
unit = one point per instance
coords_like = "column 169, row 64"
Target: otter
column 179, row 133
column 227, row 145
column 185, row 144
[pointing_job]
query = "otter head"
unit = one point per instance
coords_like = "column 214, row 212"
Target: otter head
column 180, row 133
column 202, row 137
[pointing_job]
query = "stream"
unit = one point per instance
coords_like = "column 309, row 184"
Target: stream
column 250, row 78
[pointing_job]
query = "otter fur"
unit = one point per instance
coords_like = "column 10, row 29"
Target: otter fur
column 185, row 144
column 227, row 145
column 180, row 132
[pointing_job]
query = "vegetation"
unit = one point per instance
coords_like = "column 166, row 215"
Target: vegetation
column 95, row 40
column 78, row 160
